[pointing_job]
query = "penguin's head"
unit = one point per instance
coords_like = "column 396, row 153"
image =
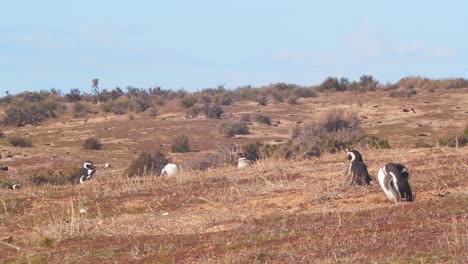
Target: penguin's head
column 354, row 155
column 16, row 186
column 89, row 165
column 404, row 172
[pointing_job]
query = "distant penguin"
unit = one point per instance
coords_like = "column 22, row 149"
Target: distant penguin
column 11, row 186
column 358, row 174
column 393, row 178
column 87, row 172
column 169, row 170
column 243, row 163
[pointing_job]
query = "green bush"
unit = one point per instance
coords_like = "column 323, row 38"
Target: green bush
column 213, row 111
column 92, row 143
column 245, row 118
column 252, row 150
column 188, row 101
column 32, row 110
column 80, row 110
column 262, row 100
column 118, row 106
column 181, row 144
column 148, row 163
column 451, row 141
column 55, row 177
column 233, row 128
column 20, row 142
column 337, row 130
column 264, row 119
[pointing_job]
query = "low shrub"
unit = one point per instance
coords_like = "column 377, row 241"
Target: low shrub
column 245, row 118
column 262, row 100
column 80, row 110
column 401, row 92
column 188, row 101
column 181, row 144
column 22, row 111
column 264, row 119
column 213, row 111
column 55, row 177
column 459, row 140
column 92, row 143
column 337, row 130
column 233, row 128
column 420, row 143
column 153, row 112
column 20, row 142
column 147, row 163
column 292, row 100
column 252, row 150
column 373, row 142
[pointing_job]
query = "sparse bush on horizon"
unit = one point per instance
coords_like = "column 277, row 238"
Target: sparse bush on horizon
column 80, row 110
column 189, row 100
column 215, row 111
column 32, row 108
column 262, row 100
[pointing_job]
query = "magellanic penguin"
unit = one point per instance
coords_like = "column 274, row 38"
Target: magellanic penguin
column 393, row 178
column 11, row 186
column 358, row 174
column 169, row 169
column 86, row 173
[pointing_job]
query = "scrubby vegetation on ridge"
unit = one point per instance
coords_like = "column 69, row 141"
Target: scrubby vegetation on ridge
column 34, row 107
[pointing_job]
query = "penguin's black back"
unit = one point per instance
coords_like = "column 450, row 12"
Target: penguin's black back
column 359, row 174
column 402, row 175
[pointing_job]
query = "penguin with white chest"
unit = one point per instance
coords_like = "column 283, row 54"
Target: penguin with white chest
column 393, row 178
column 87, row 172
column 358, row 174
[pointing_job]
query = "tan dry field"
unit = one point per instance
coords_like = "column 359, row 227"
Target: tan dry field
column 274, row 212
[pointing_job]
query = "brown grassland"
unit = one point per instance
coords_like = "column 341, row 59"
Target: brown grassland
column 277, row 211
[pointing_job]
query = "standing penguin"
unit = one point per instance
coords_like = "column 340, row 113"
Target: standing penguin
column 86, row 173
column 358, row 174
column 393, row 178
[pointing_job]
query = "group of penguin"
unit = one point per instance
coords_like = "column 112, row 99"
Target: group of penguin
column 393, row 178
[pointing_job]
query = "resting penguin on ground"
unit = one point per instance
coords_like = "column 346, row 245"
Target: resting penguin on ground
column 11, row 186
column 393, row 179
column 358, row 174
column 86, row 173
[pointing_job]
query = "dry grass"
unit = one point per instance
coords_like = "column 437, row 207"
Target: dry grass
column 275, row 211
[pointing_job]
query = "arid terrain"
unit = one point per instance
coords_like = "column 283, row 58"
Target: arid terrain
column 276, row 211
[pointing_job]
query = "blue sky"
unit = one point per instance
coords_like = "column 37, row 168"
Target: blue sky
column 201, row 44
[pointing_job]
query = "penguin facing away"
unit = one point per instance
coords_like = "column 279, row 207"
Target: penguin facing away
column 358, row 174
column 87, row 172
column 393, row 178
